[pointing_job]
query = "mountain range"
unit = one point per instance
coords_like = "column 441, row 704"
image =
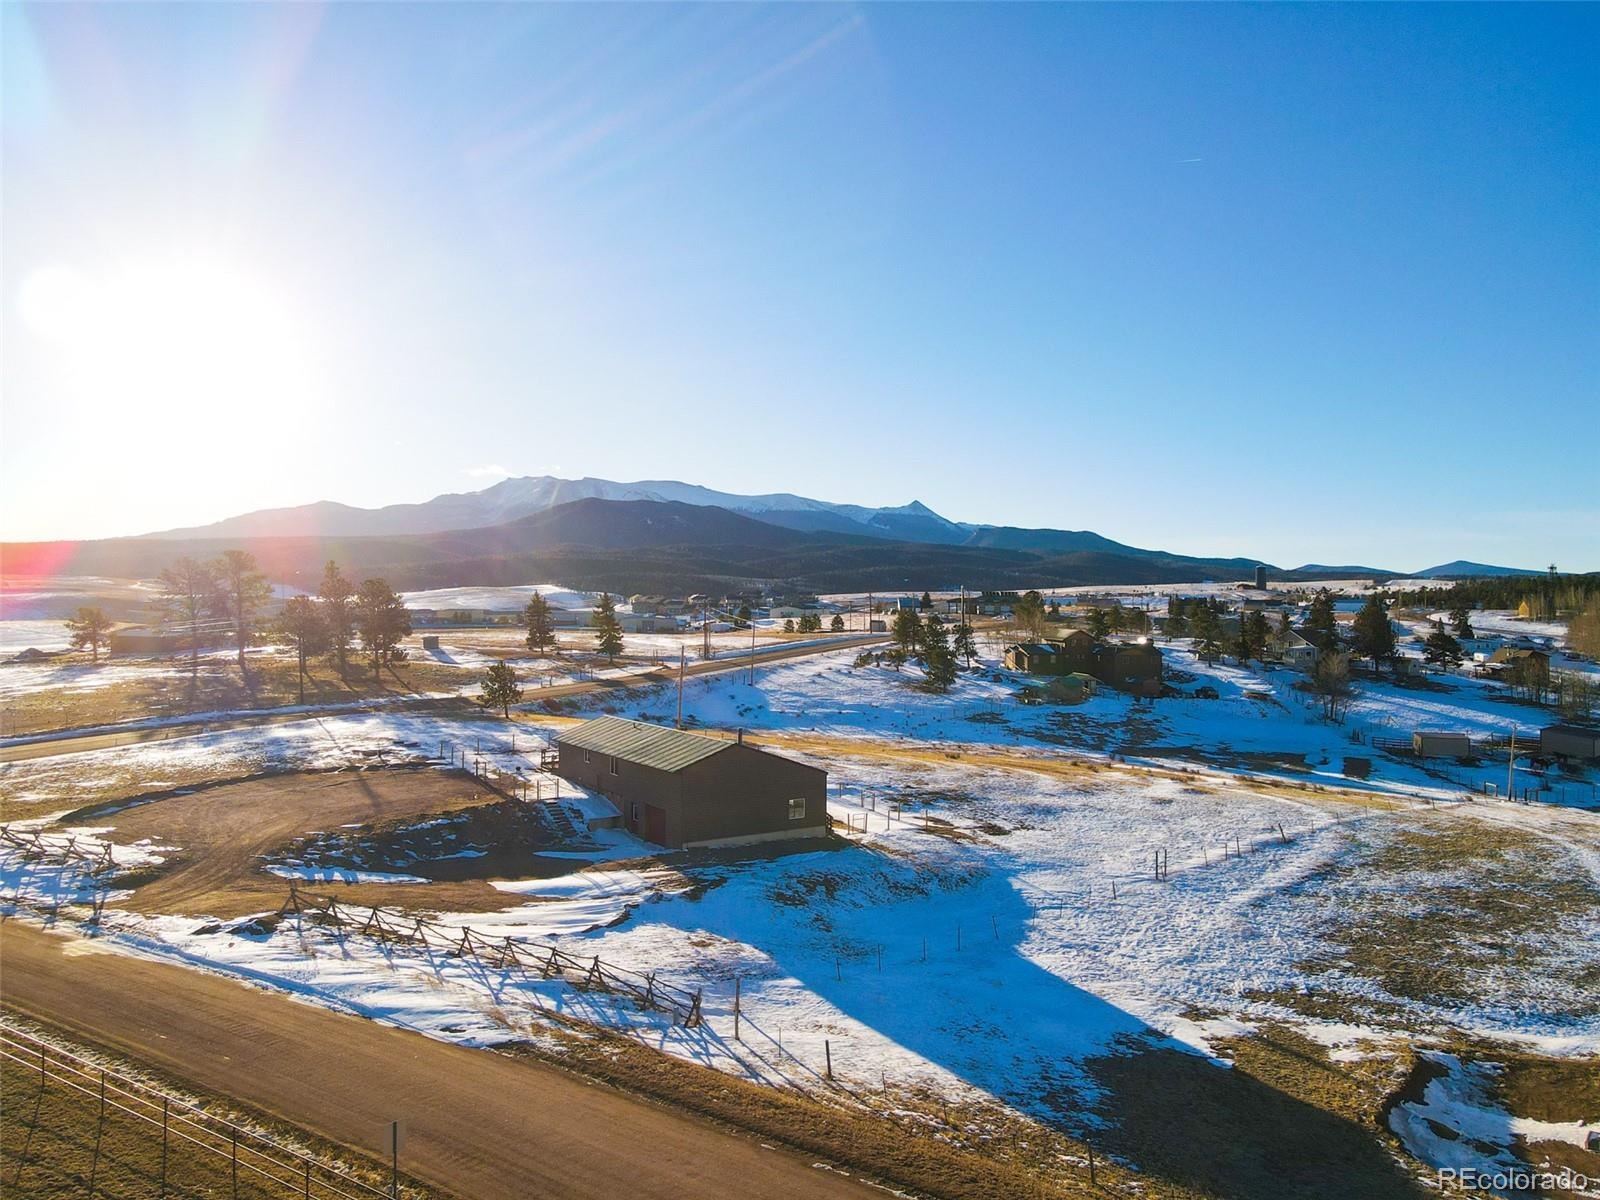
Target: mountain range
column 661, row 534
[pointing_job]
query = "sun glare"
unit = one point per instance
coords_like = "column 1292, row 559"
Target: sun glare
column 180, row 340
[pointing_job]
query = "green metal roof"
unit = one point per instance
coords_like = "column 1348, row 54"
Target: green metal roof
column 648, row 745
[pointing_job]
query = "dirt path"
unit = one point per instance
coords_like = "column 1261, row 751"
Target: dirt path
column 480, row 1124
column 221, row 833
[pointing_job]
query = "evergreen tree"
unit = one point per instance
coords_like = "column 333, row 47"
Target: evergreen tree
column 1442, row 650
column 1099, row 623
column 242, row 592
column 1461, row 620
column 906, row 631
column 964, row 644
column 381, row 619
column 541, row 629
column 500, row 688
column 1239, row 645
column 1373, row 635
column 837, row 624
column 940, row 663
column 1256, row 629
column 1322, row 627
column 926, row 602
column 608, row 630
column 742, row 620
column 1207, row 634
column 338, row 618
column 1177, row 620
column 301, row 625
column 92, row 628
column 188, row 593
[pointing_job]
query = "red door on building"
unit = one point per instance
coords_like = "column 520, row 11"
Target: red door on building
column 655, row 824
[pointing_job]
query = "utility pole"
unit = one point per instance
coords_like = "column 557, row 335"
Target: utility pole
column 705, row 633
column 1511, row 766
column 752, row 650
column 681, row 653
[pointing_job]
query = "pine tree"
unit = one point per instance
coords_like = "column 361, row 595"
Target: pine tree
column 906, row 631
column 1207, row 634
column 939, row 662
column 965, row 644
column 381, row 619
column 926, row 602
column 1099, row 623
column 338, row 620
column 1373, row 635
column 92, row 628
column 541, row 630
column 837, row 624
column 608, row 630
column 242, row 592
column 1461, row 620
column 742, row 620
column 1255, row 626
column 301, row 625
column 188, row 593
column 1177, row 620
column 1322, row 627
column 1442, row 650
column 500, row 688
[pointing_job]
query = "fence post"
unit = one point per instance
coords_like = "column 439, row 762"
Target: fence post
column 234, row 1130
column 102, row 1093
column 165, row 1104
column 827, row 1051
column 737, row 981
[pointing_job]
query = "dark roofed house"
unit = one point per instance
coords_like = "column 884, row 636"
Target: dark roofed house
column 686, row 790
column 1033, row 658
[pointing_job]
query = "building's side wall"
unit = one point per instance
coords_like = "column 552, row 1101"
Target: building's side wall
column 630, row 789
column 745, row 793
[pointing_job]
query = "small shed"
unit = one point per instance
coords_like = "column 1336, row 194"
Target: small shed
column 1439, row 744
column 1570, row 741
column 430, row 641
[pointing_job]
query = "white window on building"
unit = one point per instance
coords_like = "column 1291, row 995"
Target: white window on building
column 797, row 809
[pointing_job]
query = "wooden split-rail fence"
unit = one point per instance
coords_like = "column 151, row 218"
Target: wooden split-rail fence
column 36, row 847
column 587, row 973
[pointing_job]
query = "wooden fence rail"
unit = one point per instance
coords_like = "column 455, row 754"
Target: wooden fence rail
column 585, row 972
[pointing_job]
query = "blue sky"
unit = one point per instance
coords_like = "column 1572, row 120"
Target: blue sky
column 1309, row 283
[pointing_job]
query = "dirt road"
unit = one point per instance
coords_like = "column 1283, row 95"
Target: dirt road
column 480, row 1124
column 48, row 745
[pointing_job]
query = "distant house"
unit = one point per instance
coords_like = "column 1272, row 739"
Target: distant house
column 688, row 790
column 1130, row 667
column 1520, row 663
column 1570, row 741
column 1033, row 658
column 1436, row 744
column 1127, row 666
column 145, row 639
column 1295, row 652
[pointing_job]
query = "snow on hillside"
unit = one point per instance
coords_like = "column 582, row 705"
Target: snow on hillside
column 500, row 599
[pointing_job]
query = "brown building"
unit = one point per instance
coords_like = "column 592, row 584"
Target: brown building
column 1127, row 666
column 1570, row 741
column 685, row 789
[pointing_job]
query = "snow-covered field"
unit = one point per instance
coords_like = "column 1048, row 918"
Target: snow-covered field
column 989, row 936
